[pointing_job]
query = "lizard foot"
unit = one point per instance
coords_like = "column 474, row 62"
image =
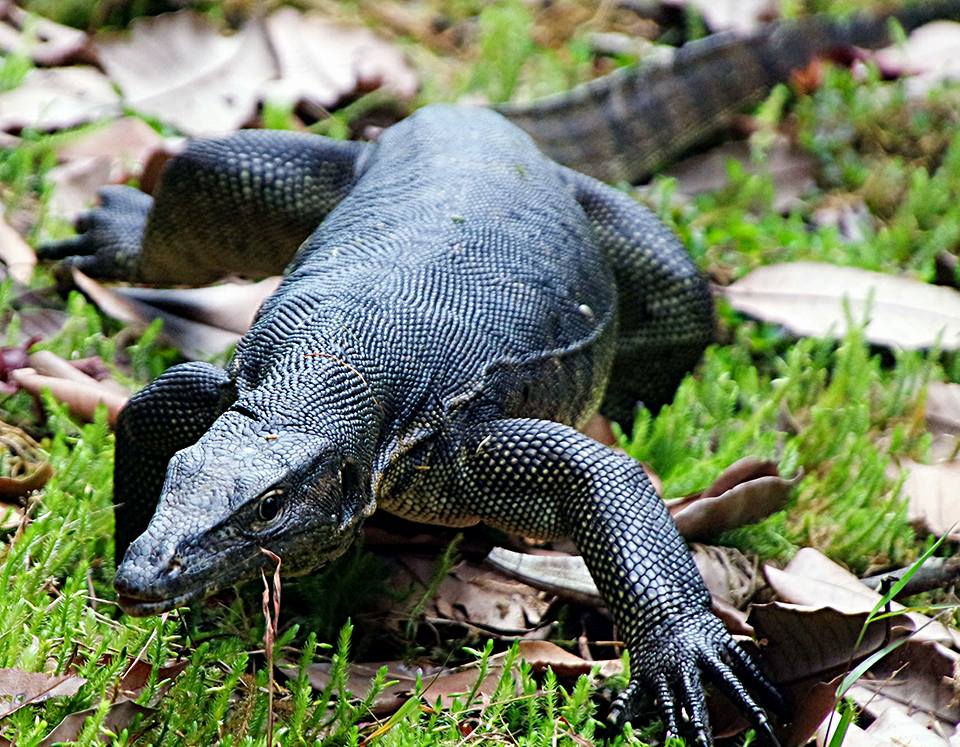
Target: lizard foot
column 107, row 244
column 671, row 664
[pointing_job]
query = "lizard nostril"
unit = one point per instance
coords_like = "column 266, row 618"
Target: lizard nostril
column 174, row 566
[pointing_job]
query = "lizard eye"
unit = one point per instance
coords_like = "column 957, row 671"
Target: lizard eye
column 269, row 505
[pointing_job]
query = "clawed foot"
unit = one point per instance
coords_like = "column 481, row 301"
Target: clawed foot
column 107, row 244
column 670, row 665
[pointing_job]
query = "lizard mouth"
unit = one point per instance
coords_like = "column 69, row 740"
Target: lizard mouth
column 143, row 607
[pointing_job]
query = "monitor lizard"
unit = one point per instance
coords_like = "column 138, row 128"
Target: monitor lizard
column 456, row 303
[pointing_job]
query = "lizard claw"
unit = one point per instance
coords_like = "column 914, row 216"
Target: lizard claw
column 107, row 244
column 673, row 665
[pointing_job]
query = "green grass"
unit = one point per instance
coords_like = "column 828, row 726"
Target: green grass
column 841, row 412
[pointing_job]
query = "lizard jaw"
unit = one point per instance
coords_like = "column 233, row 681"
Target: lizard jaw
column 144, row 607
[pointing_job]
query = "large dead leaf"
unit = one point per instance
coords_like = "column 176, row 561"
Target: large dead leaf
column 58, row 98
column 179, row 68
column 75, row 185
column 933, row 494
column 813, row 579
column 449, row 683
column 812, row 298
column 19, row 688
column 321, row 62
column 127, row 142
column 930, row 55
column 81, row 397
column 746, row 492
column 793, row 171
column 943, row 408
column 896, row 728
column 201, row 322
column 15, row 253
column 119, row 716
column 918, row 679
column 40, row 39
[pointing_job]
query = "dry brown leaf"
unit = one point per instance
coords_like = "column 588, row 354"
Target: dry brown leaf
column 448, row 683
column 747, row 491
column 25, row 465
column 943, row 408
column 58, row 98
column 918, row 680
column 15, row 253
column 201, row 322
column 128, row 142
column 120, row 715
column 179, row 68
column 75, row 185
column 793, row 171
column 82, row 398
column 19, row 688
column 813, row 579
column 40, row 39
column 322, row 62
column 138, row 674
column 896, row 728
column 930, row 55
column 933, row 494
column 809, row 298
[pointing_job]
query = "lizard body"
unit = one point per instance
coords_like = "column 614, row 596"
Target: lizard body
column 458, row 304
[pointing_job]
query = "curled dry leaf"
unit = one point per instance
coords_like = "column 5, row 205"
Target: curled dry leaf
column 15, row 253
column 201, row 322
column 746, row 492
column 817, row 299
column 57, row 99
column 811, row 578
column 793, row 171
column 24, row 465
column 179, row 68
column 321, row 62
column 83, row 398
column 19, row 688
column 933, row 498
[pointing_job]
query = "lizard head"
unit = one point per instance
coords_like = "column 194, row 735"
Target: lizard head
column 245, row 485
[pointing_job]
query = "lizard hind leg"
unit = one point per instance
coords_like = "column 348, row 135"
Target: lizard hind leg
column 168, row 415
column 665, row 307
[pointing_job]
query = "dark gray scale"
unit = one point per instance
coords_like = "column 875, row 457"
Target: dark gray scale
column 452, row 316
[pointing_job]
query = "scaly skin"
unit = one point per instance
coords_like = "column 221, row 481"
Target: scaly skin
column 455, row 310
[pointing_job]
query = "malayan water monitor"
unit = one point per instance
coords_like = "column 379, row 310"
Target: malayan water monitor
column 459, row 304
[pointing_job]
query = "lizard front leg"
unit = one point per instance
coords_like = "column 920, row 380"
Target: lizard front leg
column 169, row 414
column 546, row 478
column 238, row 204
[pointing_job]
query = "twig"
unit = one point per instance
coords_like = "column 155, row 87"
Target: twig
column 936, row 573
column 271, row 617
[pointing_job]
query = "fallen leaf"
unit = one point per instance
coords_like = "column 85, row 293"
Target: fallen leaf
column 24, row 466
column 119, row 716
column 19, row 688
column 15, row 253
column 39, row 316
column 83, row 399
column 201, row 322
column 127, row 142
column 917, row 680
column 853, row 737
column 321, row 62
column 75, row 185
column 933, row 495
column 811, row 298
column 599, row 430
column 793, row 171
column 138, row 675
column 448, row 683
column 731, row 15
column 57, row 99
column 42, row 40
column 894, row 727
column 813, row 579
column 179, row 68
column 84, row 370
column 930, row 55
column 943, row 408
column 759, row 493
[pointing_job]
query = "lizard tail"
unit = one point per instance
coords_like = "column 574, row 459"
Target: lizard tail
column 626, row 125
